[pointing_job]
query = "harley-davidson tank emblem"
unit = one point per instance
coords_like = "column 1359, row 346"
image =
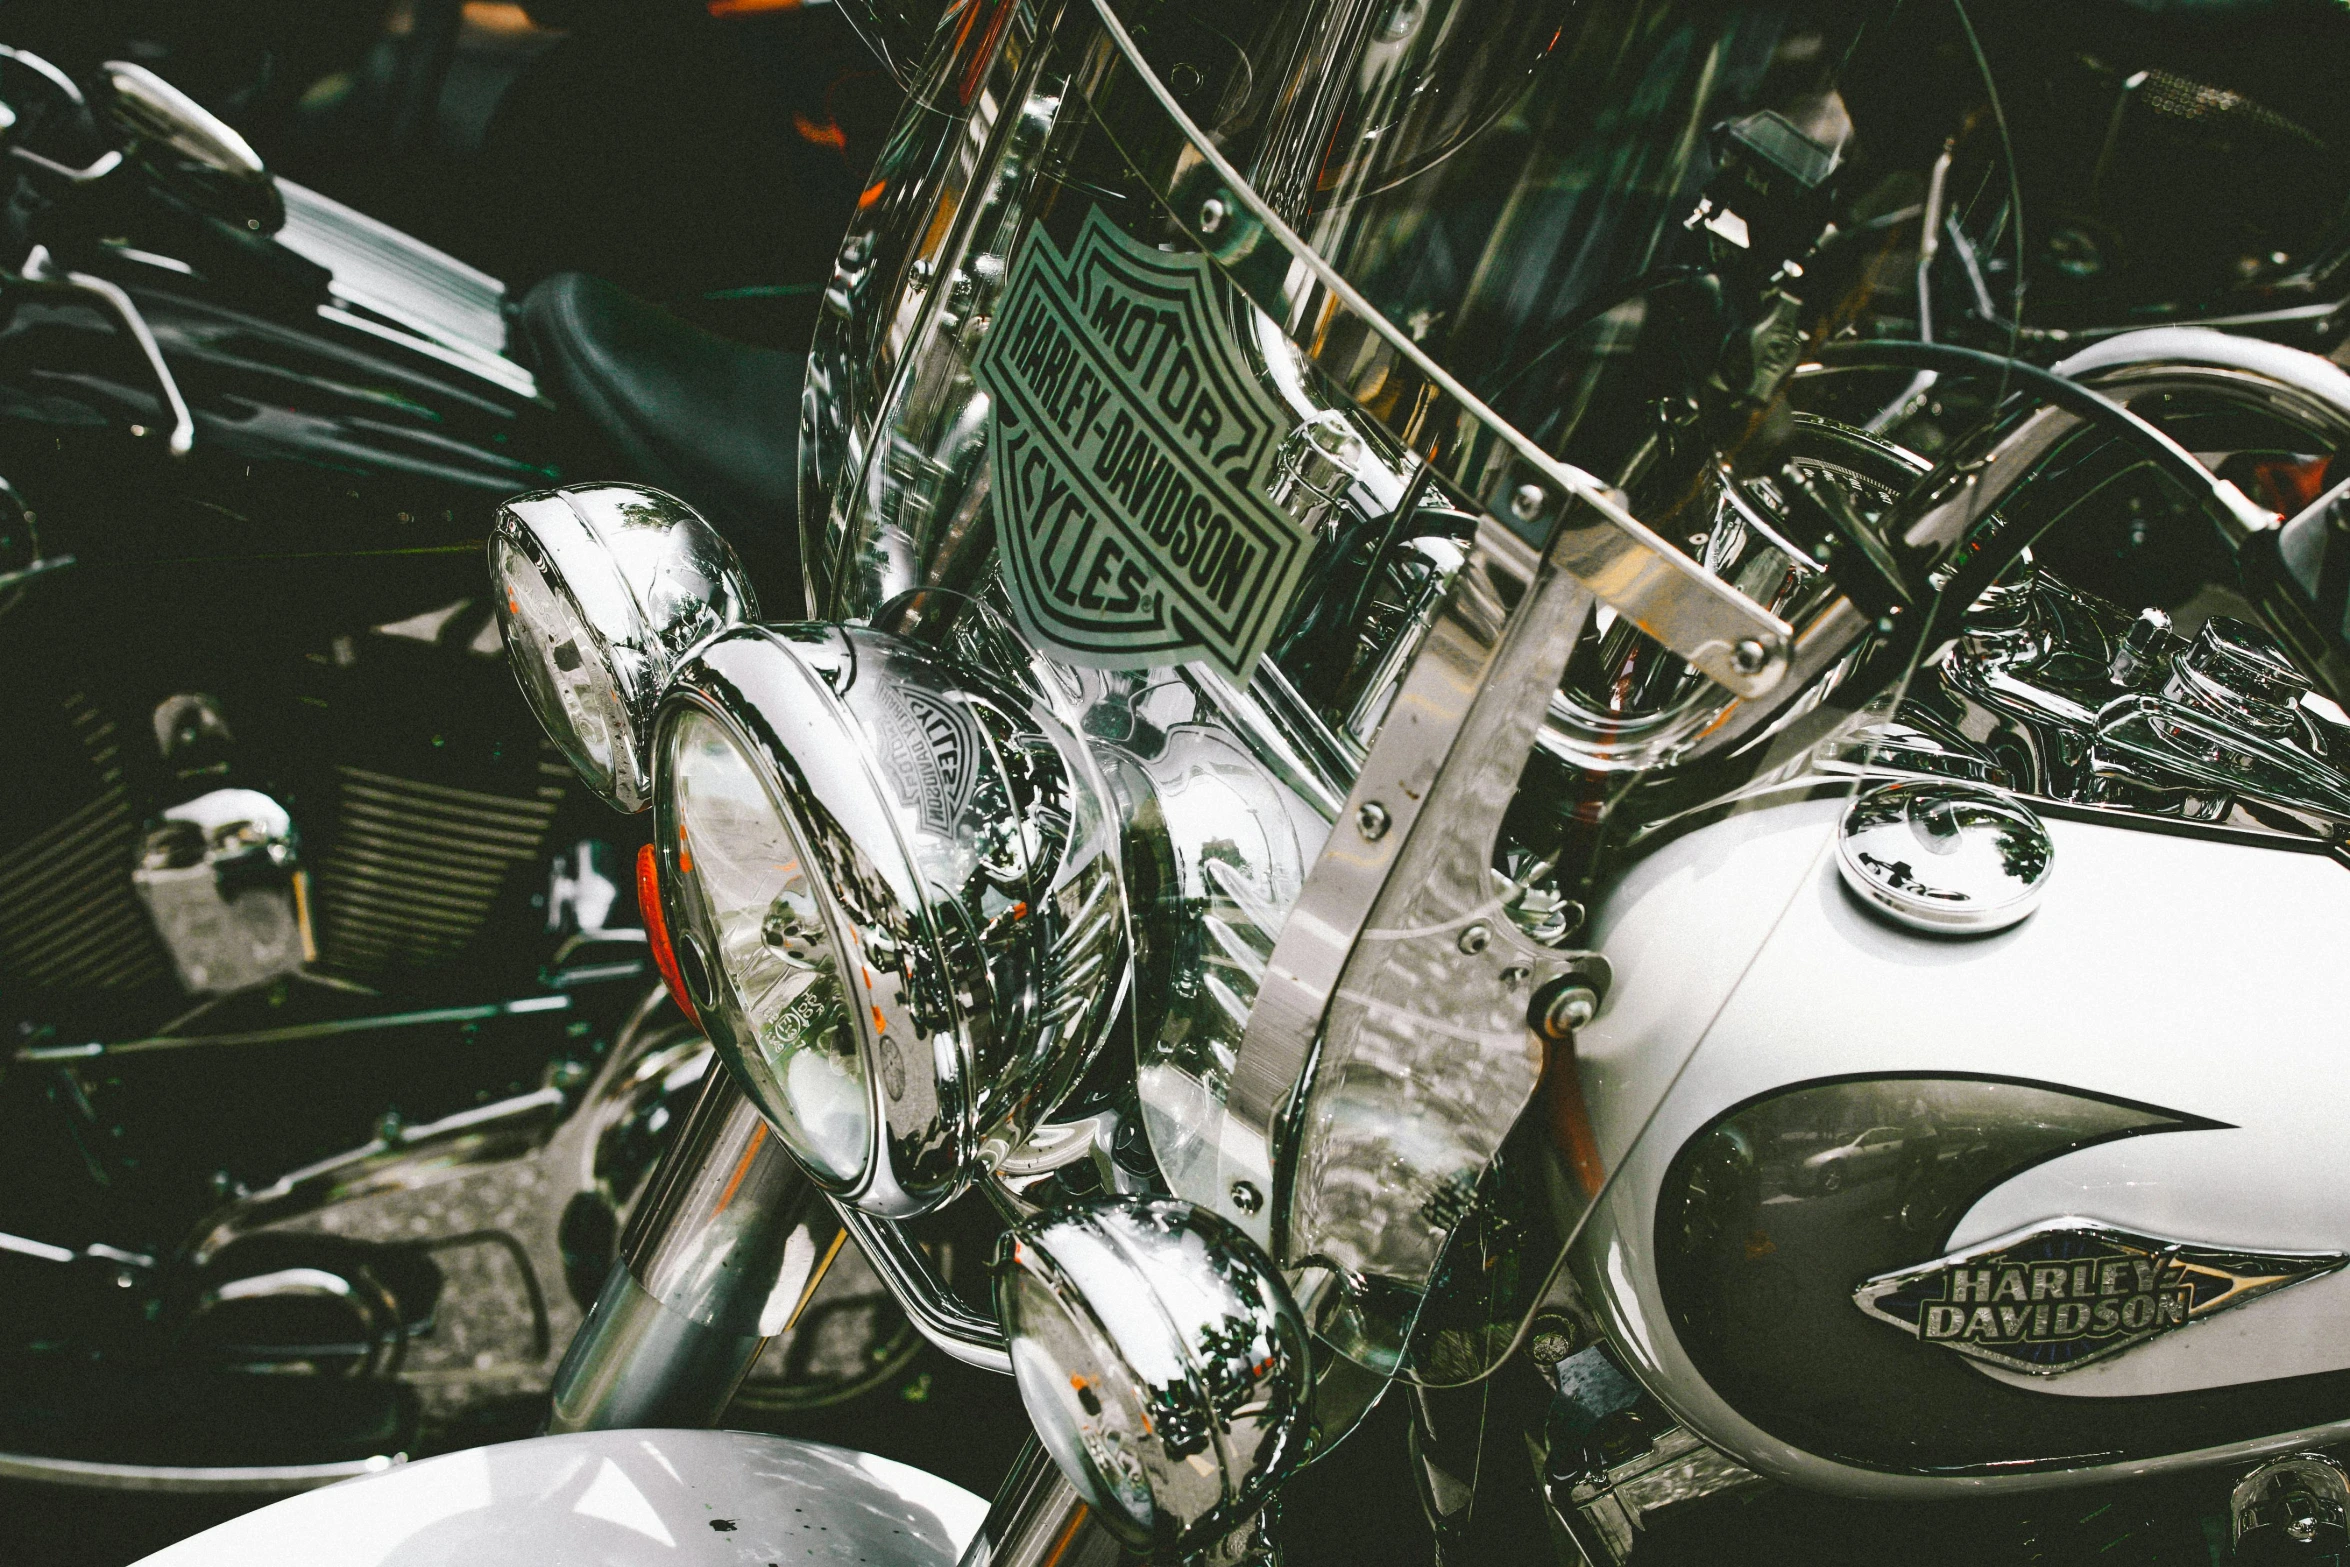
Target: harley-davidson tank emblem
column 1131, row 449
column 2061, row 1295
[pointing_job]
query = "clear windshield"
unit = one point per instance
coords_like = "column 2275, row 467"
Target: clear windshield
column 1220, row 367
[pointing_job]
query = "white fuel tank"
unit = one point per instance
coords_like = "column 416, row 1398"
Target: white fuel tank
column 1928, row 1213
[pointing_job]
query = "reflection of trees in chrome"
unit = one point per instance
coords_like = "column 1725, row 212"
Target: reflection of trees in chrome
column 2023, row 851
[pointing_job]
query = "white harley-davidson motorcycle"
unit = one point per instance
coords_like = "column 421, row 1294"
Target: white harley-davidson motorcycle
column 1498, row 722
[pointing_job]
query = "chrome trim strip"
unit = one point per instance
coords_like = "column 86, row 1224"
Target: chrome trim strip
column 395, row 274
column 191, row 1480
column 504, row 372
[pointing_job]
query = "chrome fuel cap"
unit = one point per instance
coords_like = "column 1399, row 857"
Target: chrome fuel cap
column 1953, row 859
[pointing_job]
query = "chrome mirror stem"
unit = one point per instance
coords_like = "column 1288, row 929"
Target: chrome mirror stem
column 723, row 1253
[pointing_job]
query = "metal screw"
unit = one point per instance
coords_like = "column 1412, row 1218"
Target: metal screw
column 1372, row 821
column 1526, row 505
column 1749, row 656
column 918, row 275
column 1246, row 1197
column 1212, row 213
column 1559, row 1011
column 1475, row 939
column 1515, row 975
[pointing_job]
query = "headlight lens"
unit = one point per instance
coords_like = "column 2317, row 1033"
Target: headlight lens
column 894, row 896
column 567, row 674
column 755, row 949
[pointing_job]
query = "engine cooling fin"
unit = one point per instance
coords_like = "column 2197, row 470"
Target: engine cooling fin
column 414, row 870
column 68, row 916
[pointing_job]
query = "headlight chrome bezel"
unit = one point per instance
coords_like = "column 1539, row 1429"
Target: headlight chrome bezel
column 1197, row 1341
column 891, row 769
column 644, row 579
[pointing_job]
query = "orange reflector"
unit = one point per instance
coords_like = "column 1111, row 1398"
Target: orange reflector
column 648, row 903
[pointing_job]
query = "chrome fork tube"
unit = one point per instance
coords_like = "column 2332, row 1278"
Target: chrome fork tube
column 1038, row 1520
column 722, row 1253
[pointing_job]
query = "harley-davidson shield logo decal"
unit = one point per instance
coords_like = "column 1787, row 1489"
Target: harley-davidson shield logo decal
column 1131, row 450
column 930, row 749
column 2061, row 1295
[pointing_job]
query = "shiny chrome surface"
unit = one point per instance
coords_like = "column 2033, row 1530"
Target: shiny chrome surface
column 146, row 107
column 941, row 902
column 221, row 876
column 378, row 269
column 1949, row 859
column 725, row 1250
column 188, row 1479
column 186, row 147
column 1039, row 1520
column 2060, row 696
column 1162, row 1362
column 1400, row 970
column 951, row 1327
column 641, row 579
column 2291, row 1508
column 1606, row 1512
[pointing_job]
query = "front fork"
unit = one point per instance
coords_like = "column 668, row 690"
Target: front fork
column 721, row 1254
column 724, row 1252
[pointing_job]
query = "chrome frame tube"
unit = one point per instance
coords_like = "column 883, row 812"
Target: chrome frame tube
column 723, row 1252
column 1039, row 1520
column 953, row 1328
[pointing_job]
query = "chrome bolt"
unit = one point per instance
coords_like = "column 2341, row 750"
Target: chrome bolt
column 1212, row 213
column 1749, row 656
column 1475, row 940
column 1246, row 1197
column 918, row 275
column 1565, row 1008
column 1526, row 505
column 125, row 1279
column 1372, row 821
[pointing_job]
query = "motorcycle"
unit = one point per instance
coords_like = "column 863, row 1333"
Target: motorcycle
column 1397, row 759
column 335, row 1063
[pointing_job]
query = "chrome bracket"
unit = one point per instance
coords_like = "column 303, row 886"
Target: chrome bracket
column 952, row 1327
column 1399, row 948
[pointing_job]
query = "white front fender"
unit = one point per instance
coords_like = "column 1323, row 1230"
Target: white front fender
column 614, row 1499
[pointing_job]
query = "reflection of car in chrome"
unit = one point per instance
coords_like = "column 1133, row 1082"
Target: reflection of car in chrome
column 1873, row 1152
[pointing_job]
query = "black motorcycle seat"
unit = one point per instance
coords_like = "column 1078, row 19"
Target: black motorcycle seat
column 710, row 420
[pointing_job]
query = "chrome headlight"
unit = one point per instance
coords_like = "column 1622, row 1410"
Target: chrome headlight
column 1161, row 1361
column 893, row 891
column 601, row 589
